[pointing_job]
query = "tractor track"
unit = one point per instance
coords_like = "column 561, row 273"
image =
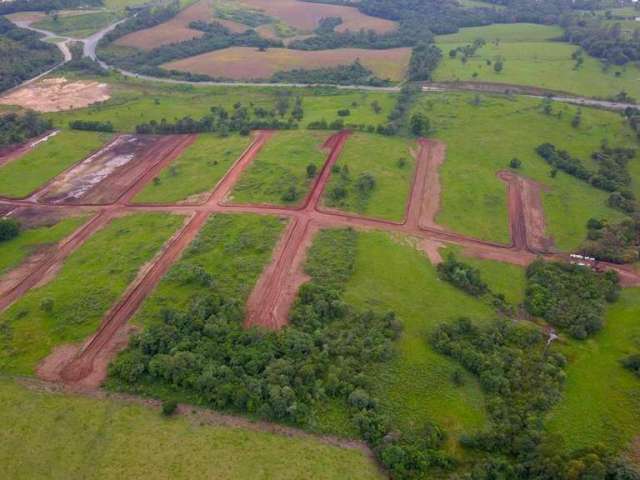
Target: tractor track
column 276, row 289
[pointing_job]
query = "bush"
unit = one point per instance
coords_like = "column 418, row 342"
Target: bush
column 515, row 163
column 169, row 407
column 463, row 276
column 9, row 229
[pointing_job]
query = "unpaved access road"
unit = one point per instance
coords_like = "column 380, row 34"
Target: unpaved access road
column 269, row 303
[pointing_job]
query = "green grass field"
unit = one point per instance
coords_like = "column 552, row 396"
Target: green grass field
column 196, row 171
column 61, row 436
column 135, row 102
column 82, row 291
column 416, row 386
column 13, row 252
column 232, row 250
column 377, row 155
column 531, row 60
column 281, row 166
column 482, row 139
column 601, row 401
column 78, row 26
column 22, row 176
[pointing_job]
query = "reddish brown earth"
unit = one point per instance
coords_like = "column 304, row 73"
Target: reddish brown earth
column 275, row 291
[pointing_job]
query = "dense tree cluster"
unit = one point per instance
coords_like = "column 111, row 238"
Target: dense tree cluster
column 23, row 54
column 9, row 229
column 463, row 276
column 353, row 74
column 249, row 17
column 424, row 60
column 522, row 378
column 45, row 5
column 82, row 64
column 613, row 242
column 145, row 18
column 16, row 128
column 91, row 125
column 571, row 297
column 241, row 119
column 604, row 41
column 612, row 175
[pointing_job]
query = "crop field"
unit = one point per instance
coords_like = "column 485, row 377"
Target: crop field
column 225, row 259
column 55, row 436
column 33, row 240
column 416, row 386
column 196, row 171
column 389, row 161
column 246, row 63
column 78, row 26
column 600, row 402
column 481, row 140
column 278, row 175
column 22, row 176
column 531, row 59
column 70, row 306
column 305, row 16
column 173, row 31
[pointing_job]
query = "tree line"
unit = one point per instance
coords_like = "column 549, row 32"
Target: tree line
column 18, row 128
column 23, row 54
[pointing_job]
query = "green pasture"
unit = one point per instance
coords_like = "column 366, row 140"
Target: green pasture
column 196, row 171
column 483, row 133
column 530, row 58
column 60, row 436
column 280, row 167
column 31, row 240
column 226, row 258
column 379, row 156
column 69, row 307
column 416, row 386
column 78, row 26
column 601, row 400
column 24, row 175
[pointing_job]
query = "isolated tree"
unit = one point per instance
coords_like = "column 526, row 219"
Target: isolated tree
column 577, row 119
column 376, row 107
column 498, row 66
column 311, row 170
column 420, row 124
column 515, row 163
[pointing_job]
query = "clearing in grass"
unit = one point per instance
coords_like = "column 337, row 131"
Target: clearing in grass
column 70, row 306
column 55, row 435
column 529, row 58
column 600, row 401
column 373, row 176
column 196, row 171
column 22, row 176
column 280, row 174
column 226, row 257
column 484, row 133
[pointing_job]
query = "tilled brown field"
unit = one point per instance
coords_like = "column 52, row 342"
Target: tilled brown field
column 246, row 63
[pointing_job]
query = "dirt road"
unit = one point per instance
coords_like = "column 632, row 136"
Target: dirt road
column 275, row 291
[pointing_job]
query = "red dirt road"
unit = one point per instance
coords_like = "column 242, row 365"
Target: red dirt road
column 88, row 367
column 275, row 291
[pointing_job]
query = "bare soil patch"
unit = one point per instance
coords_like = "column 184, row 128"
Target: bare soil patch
column 58, row 94
column 245, row 63
column 175, row 30
column 109, row 173
column 306, row 16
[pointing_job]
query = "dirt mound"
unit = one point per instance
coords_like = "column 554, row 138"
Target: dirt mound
column 57, row 94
